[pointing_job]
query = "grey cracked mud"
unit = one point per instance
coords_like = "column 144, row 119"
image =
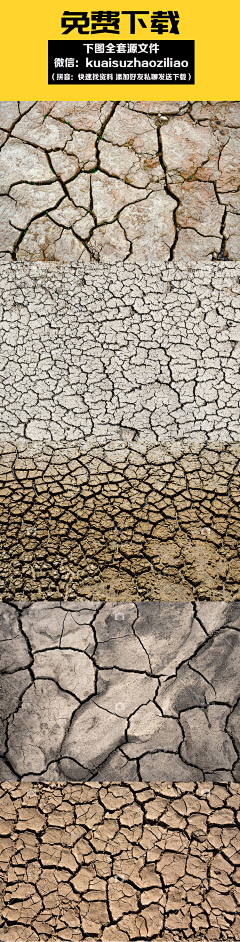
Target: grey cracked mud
column 106, row 180
column 119, row 862
column 133, row 352
column 144, row 691
column 119, row 521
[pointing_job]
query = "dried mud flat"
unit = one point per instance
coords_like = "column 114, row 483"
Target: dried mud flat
column 107, row 179
column 119, row 862
column 123, row 521
column 148, row 353
column 146, row 692
column 119, row 501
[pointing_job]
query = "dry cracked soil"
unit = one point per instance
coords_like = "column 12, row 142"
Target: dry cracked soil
column 107, row 179
column 137, row 692
column 119, row 503
column 120, row 521
column 143, row 352
column 119, row 862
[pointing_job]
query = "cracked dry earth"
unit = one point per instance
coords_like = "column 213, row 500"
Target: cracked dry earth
column 102, row 351
column 142, row 692
column 106, row 179
column 120, row 862
column 119, row 503
column 120, row 521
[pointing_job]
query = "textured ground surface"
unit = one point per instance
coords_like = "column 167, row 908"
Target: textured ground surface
column 146, row 692
column 123, row 351
column 107, row 179
column 120, row 862
column 120, row 521
column 119, row 480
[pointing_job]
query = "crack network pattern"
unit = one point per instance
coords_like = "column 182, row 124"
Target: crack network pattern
column 120, row 521
column 96, row 351
column 119, row 862
column 142, row 692
column 107, row 180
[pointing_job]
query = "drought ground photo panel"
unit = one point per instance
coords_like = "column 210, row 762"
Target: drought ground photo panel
column 119, row 543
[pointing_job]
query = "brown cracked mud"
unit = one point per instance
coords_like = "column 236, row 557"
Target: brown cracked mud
column 119, row 862
column 120, row 521
column 106, row 180
column 143, row 691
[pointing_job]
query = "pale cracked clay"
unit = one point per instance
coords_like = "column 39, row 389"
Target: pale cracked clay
column 143, row 352
column 138, row 692
column 107, row 180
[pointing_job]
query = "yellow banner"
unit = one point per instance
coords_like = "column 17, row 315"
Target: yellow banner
column 82, row 51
